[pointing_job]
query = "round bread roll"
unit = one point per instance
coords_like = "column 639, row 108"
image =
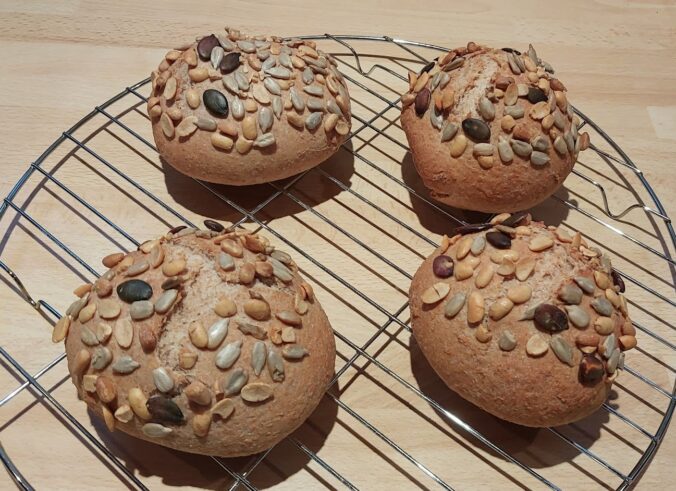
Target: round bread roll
column 524, row 321
column 241, row 110
column 490, row 130
column 201, row 341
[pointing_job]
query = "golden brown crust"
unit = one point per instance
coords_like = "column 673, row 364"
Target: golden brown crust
column 215, row 146
column 187, row 413
column 487, row 361
column 474, row 83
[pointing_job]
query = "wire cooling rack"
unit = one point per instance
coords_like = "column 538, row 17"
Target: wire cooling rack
column 359, row 225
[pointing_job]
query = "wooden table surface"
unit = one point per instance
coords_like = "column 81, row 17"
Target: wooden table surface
column 62, row 58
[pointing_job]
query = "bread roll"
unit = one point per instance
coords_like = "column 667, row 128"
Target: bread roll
column 240, row 110
column 201, row 341
column 490, row 130
column 525, row 321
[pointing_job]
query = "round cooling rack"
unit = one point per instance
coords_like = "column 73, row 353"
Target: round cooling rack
column 359, row 226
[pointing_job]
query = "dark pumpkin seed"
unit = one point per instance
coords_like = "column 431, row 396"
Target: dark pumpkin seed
column 536, row 95
column 215, row 102
column 134, row 290
column 205, row 46
column 422, row 101
column 176, row 229
column 171, row 283
column 499, row 240
column 427, row 67
column 591, row 369
column 512, row 50
column 443, row 266
column 476, row 129
column 617, row 280
column 229, row 63
column 214, row 225
column 550, row 318
column 515, row 219
column 164, row 410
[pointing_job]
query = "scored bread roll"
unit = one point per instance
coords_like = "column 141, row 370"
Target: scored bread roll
column 242, row 110
column 204, row 341
column 490, row 130
column 523, row 320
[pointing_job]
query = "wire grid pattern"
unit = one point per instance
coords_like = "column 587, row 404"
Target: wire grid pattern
column 367, row 122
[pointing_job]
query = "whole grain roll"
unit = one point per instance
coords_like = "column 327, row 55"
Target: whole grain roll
column 523, row 320
column 206, row 342
column 490, row 130
column 240, row 110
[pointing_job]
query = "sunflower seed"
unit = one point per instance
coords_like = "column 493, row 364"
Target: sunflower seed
column 101, row 357
column 585, row 283
column 272, row 86
column 258, row 357
column 455, row 63
column 236, row 105
column 125, row 364
column 238, row 379
column 313, row 120
column 562, row 349
column 314, row 90
column 242, row 81
column 275, row 366
column 436, row 118
column 277, row 105
column 571, row 294
column 88, row 337
column 163, row 380
column 455, row 304
column 296, row 100
column 246, row 46
column 602, row 306
column 227, row 356
column 448, row 131
column 294, row 352
column 507, row 341
column 155, row 430
column 609, row 346
column 539, row 159
column 315, row 105
column 486, row 109
column 279, row 72
column 216, row 57
column 217, row 333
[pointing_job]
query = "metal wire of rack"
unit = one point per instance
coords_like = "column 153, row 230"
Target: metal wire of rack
column 376, row 125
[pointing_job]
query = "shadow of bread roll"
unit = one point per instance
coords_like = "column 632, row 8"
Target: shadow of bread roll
column 522, row 320
column 204, row 341
column 239, row 110
column 490, row 130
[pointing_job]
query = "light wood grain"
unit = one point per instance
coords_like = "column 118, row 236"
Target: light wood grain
column 61, row 59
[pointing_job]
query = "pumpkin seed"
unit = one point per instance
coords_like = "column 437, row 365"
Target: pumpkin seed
column 476, row 129
column 101, row 357
column 256, row 392
column 294, row 352
column 155, row 430
column 442, row 266
column 562, row 349
column 507, row 340
column 125, row 364
column 435, row 293
column 163, row 380
column 602, row 306
column 88, row 337
column 571, row 294
column 578, row 316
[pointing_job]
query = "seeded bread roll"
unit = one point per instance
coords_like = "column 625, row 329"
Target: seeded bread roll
column 490, row 129
column 201, row 341
column 524, row 321
column 238, row 110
